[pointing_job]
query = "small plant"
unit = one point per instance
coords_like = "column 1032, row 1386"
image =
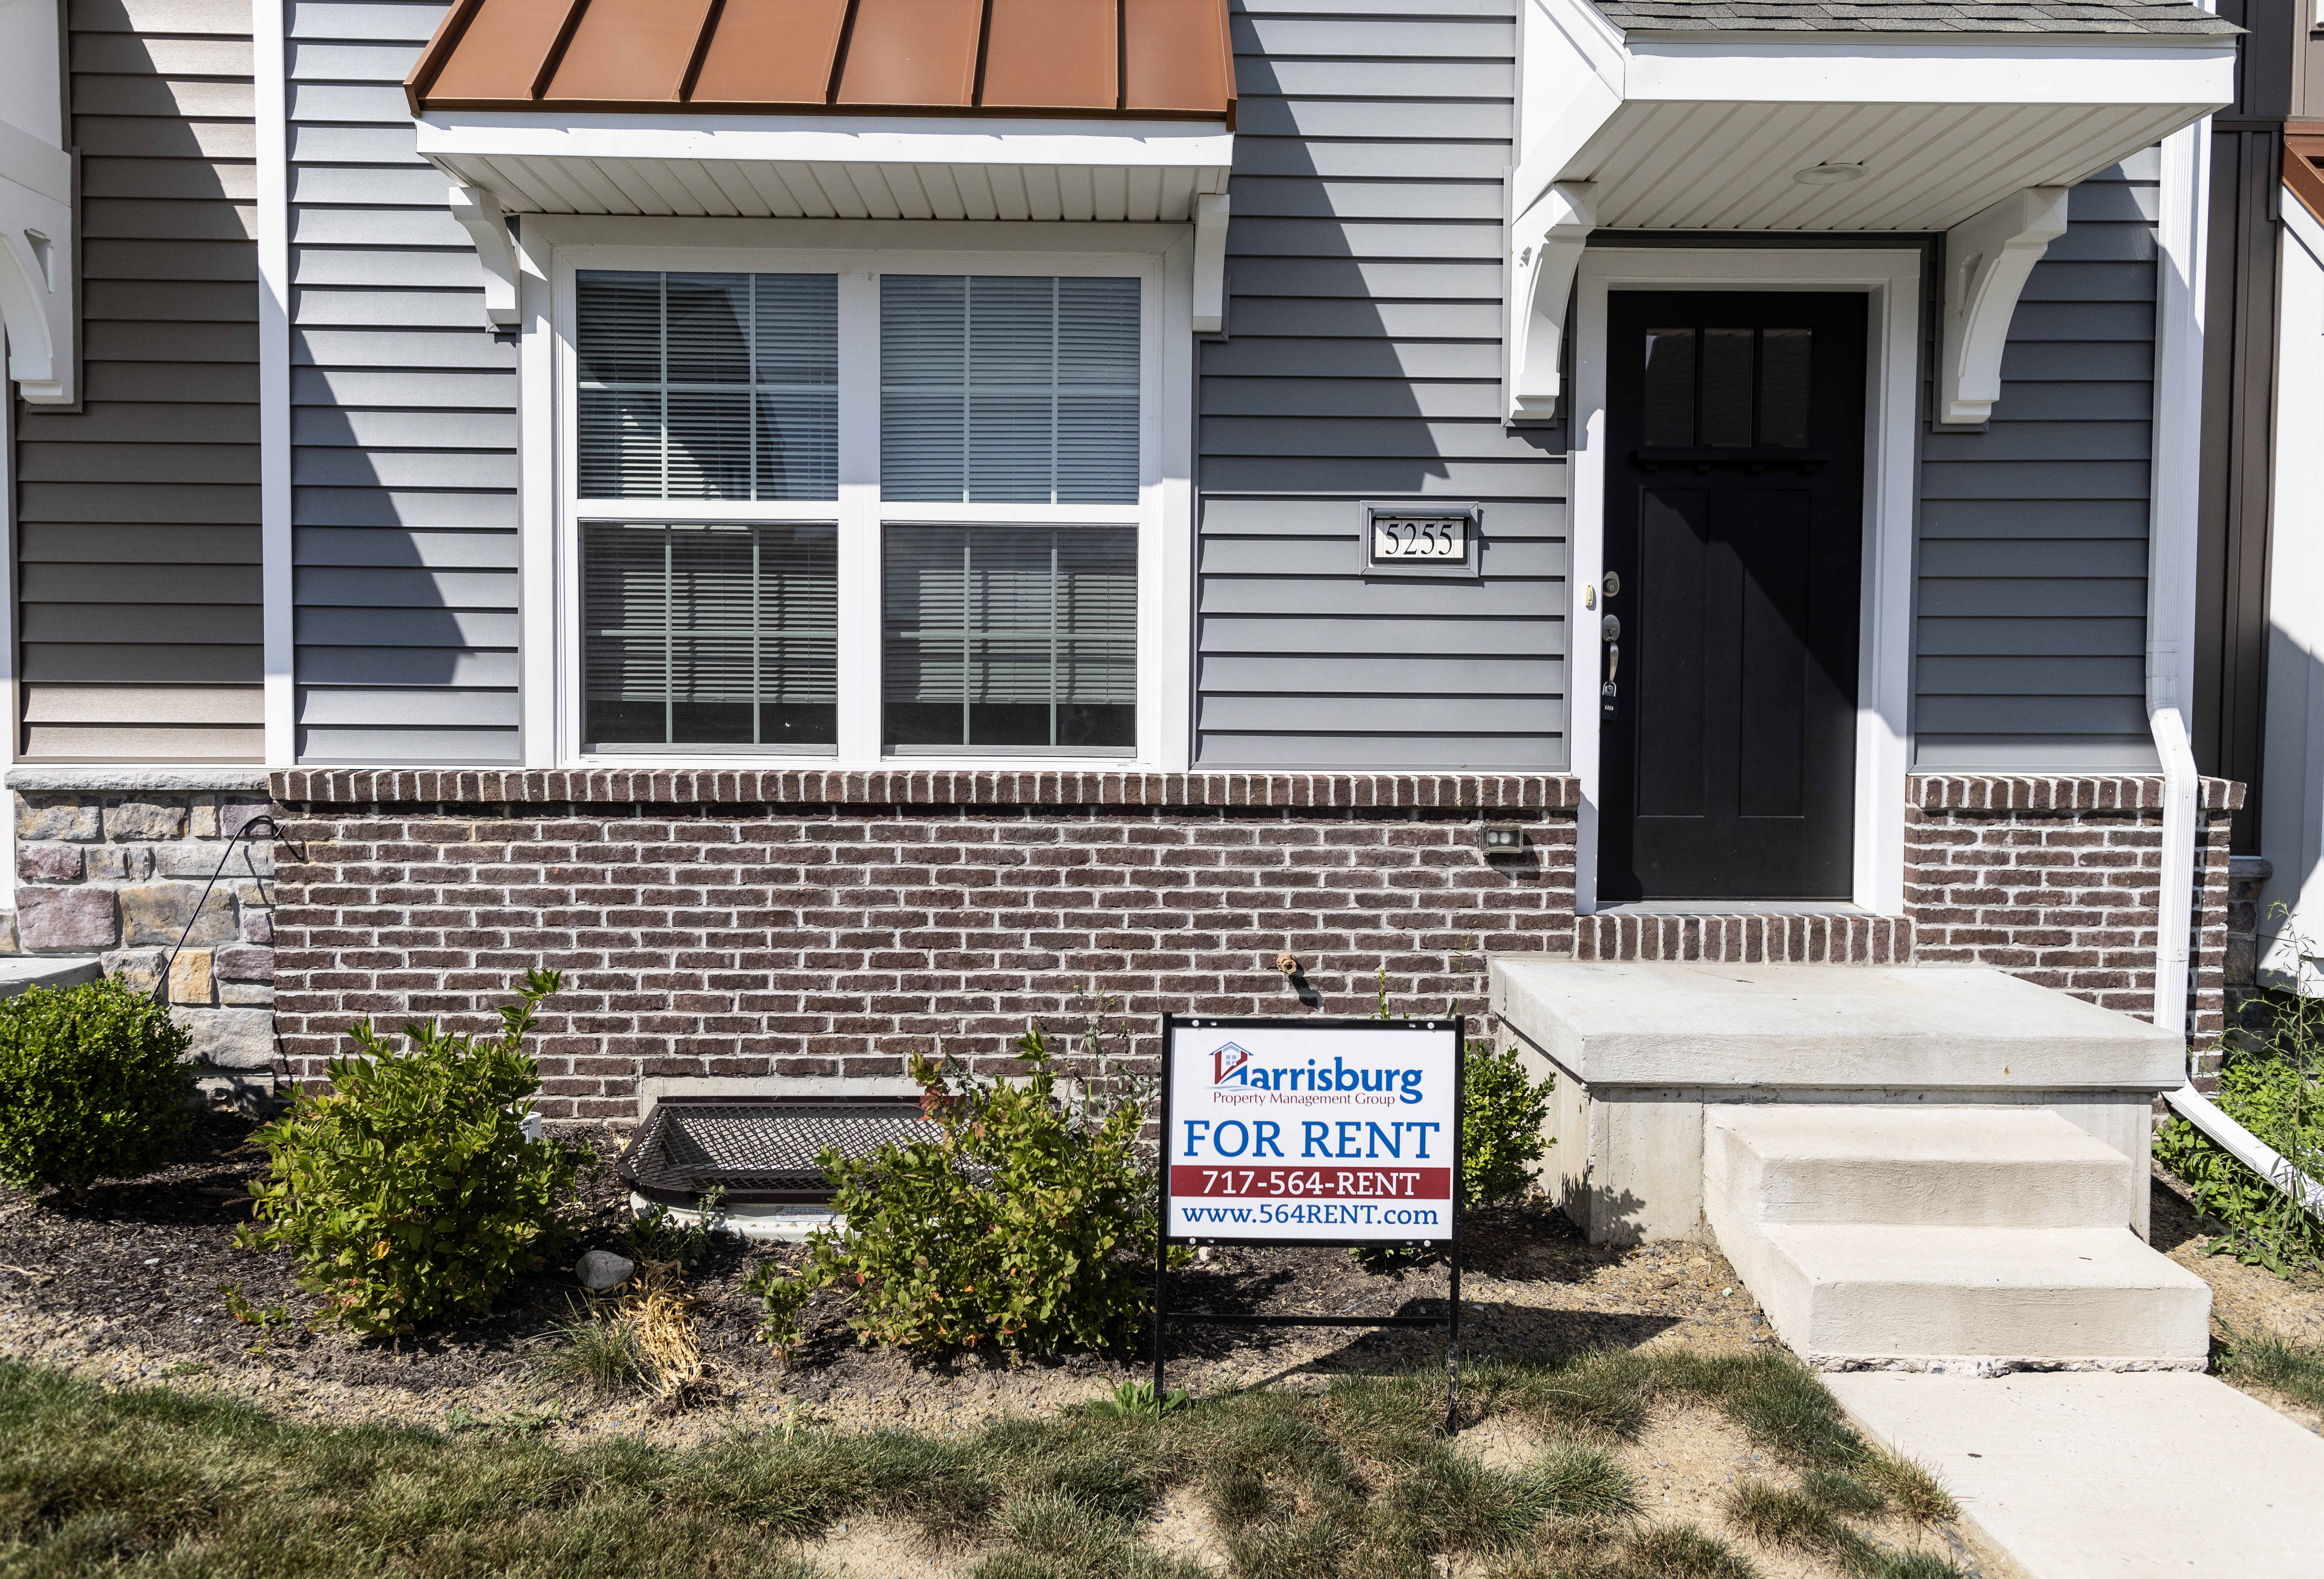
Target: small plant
column 250, row 1313
column 2274, row 1361
column 598, row 1352
column 658, row 1239
column 409, row 1191
column 2271, row 1082
column 1136, row 1399
column 1501, row 1114
column 1027, row 1223
column 91, row 1086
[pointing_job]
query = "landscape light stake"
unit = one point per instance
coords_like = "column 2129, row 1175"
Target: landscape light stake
column 1451, row 1321
column 247, row 830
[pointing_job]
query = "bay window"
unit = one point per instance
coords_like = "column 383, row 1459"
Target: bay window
column 917, row 489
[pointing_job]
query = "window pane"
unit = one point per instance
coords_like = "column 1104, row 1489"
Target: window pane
column 1726, row 388
column 1009, row 390
column 708, row 386
column 1670, row 388
column 1011, row 637
column 709, row 634
column 1783, row 358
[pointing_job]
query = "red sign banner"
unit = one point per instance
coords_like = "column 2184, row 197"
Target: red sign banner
column 1328, row 1184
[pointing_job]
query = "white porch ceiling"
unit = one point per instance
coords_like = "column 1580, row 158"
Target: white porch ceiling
column 1731, row 166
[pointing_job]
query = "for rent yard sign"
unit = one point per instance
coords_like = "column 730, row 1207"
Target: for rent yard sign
column 1334, row 1131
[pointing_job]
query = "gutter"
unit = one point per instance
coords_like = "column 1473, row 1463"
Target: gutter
column 2171, row 623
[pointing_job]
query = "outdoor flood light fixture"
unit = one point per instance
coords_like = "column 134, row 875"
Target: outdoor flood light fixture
column 1501, row 838
column 1828, row 175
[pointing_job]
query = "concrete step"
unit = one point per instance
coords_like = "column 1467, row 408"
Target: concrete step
column 1868, row 1295
column 19, row 970
column 1983, row 1166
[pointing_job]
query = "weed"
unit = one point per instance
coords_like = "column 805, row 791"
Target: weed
column 1911, row 1487
column 1681, row 1551
column 1777, row 1516
column 1840, row 1493
column 250, row 1315
column 1136, row 1398
column 1582, row 1483
column 188, row 1368
column 1601, row 1393
column 1460, row 1505
column 2273, row 1361
column 599, row 1353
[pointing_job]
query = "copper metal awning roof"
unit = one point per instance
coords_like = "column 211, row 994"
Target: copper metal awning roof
column 1143, row 59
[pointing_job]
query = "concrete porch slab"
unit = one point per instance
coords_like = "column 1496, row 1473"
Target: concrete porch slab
column 18, row 972
column 1824, row 1026
column 2078, row 1476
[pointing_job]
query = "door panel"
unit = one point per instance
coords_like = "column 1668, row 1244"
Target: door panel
column 1734, row 530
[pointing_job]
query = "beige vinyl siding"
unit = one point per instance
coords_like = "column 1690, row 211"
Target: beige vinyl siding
column 137, row 538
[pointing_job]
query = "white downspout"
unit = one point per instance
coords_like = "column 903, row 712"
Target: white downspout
column 2171, row 545
column 2170, row 620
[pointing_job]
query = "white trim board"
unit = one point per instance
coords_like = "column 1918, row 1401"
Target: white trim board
column 1891, row 282
column 278, row 592
column 1161, row 256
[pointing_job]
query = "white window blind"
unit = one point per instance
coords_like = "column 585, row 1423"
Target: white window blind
column 710, row 635
column 1004, row 638
column 708, row 386
column 1009, row 390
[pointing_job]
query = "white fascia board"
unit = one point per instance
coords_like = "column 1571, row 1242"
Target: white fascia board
column 830, row 139
column 1837, row 69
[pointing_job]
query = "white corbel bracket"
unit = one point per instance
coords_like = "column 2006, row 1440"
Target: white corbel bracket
column 37, row 275
column 1549, row 238
column 480, row 216
column 1210, row 264
column 1988, row 258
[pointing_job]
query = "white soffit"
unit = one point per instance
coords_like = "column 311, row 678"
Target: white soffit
column 1707, row 132
column 825, row 167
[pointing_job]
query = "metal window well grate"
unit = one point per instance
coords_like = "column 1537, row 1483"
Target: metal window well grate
column 759, row 1150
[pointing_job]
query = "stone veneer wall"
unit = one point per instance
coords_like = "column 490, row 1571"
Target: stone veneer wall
column 824, row 925
column 113, row 863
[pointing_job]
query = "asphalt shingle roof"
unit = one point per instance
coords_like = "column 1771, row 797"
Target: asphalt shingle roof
column 1923, row 16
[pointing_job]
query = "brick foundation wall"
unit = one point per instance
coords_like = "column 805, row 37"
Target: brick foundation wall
column 113, row 863
column 2058, row 878
column 819, row 924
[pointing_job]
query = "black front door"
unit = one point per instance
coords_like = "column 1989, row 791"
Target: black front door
column 1734, row 544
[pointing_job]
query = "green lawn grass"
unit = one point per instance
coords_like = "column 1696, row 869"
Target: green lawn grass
column 1357, row 1483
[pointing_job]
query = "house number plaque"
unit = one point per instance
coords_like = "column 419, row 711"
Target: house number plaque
column 1439, row 538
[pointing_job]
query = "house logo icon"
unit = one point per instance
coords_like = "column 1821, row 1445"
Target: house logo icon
column 1228, row 1060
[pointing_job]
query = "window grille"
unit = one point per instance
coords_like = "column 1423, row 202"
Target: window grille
column 1009, row 390
column 718, row 635
column 1011, row 638
column 708, row 386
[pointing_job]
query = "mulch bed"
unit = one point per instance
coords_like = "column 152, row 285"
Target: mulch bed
column 132, row 1282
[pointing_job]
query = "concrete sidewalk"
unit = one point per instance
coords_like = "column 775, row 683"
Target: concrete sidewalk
column 2092, row 1474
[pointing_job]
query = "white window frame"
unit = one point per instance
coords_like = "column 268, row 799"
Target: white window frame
column 1891, row 284
column 556, row 248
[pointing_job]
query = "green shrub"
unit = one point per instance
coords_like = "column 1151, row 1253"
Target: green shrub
column 90, row 1085
column 2272, row 1087
column 408, row 1190
column 1501, row 1114
column 1027, row 1223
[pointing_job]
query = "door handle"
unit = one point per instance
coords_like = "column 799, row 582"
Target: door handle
column 1610, row 630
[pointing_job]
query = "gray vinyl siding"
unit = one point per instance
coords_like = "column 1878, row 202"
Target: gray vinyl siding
column 2031, row 626
column 1363, row 362
column 137, row 536
column 404, row 420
